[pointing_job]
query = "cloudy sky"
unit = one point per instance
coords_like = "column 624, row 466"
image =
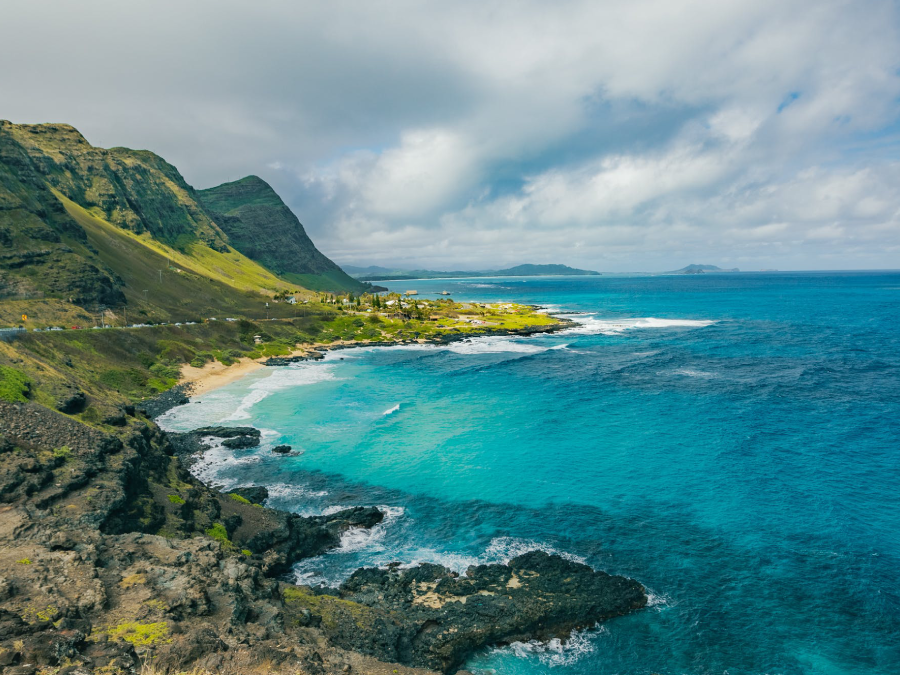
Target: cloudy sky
column 612, row 135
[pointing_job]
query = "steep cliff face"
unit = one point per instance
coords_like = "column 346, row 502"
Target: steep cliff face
column 93, row 228
column 133, row 189
column 261, row 226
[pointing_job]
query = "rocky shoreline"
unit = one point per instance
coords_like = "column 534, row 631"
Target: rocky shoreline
column 317, row 352
column 114, row 557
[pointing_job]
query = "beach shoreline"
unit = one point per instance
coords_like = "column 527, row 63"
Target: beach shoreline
column 214, row 375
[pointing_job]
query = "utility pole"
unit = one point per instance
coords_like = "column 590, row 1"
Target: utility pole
column 145, row 295
column 160, row 277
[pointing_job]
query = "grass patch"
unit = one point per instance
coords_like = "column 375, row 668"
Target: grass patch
column 334, row 611
column 14, row 385
column 141, row 634
column 220, row 534
column 175, row 499
column 238, row 498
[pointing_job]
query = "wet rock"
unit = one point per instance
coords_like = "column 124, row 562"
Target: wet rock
column 239, row 442
column 164, row 402
column 281, row 449
column 227, row 432
column 430, row 617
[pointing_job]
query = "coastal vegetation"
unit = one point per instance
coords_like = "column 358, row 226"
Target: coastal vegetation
column 116, row 279
column 121, row 366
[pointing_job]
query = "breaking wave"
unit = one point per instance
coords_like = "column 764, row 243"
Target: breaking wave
column 590, row 325
column 280, row 379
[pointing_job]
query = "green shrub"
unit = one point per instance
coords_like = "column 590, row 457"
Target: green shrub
column 219, row 533
column 175, row 499
column 165, row 372
column 14, row 386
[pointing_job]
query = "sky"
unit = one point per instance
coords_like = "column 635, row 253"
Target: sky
column 610, row 135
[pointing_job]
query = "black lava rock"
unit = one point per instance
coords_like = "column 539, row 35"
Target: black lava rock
column 71, row 403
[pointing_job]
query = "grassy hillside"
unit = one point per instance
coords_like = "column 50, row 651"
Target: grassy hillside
column 83, row 229
column 260, row 225
column 117, row 366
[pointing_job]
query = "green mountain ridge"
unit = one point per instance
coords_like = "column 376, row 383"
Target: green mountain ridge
column 262, row 227
column 83, row 227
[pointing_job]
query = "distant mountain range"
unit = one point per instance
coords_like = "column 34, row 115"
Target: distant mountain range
column 701, row 269
column 375, row 273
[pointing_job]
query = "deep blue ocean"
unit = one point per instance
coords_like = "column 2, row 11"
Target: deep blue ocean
column 731, row 441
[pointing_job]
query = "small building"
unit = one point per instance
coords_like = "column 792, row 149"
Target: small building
column 291, row 300
column 257, row 339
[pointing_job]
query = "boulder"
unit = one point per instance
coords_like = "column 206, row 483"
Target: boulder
column 72, row 402
column 237, row 442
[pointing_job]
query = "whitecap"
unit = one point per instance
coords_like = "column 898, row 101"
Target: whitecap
column 690, row 372
column 391, row 410
column 494, row 346
column 590, row 325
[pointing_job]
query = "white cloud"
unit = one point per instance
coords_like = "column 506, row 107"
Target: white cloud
column 606, row 133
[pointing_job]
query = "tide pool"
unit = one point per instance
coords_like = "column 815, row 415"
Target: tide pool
column 731, row 441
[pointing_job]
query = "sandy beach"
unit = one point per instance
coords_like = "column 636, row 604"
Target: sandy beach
column 214, row 375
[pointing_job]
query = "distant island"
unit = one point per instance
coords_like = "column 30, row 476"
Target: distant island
column 375, row 273
column 700, row 269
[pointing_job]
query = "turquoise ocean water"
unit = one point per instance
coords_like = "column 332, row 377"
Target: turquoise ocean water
column 731, row 441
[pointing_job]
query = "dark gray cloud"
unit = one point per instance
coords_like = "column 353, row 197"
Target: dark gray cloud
column 615, row 135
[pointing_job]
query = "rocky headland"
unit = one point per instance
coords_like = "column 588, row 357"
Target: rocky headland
column 114, row 557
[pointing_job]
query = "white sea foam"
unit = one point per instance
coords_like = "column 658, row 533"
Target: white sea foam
column 359, row 538
column 280, row 379
column 504, row 549
column 391, row 410
column 557, row 652
column 589, row 324
column 658, row 601
column 494, row 345
column 288, row 491
column 690, row 372
column 208, row 466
